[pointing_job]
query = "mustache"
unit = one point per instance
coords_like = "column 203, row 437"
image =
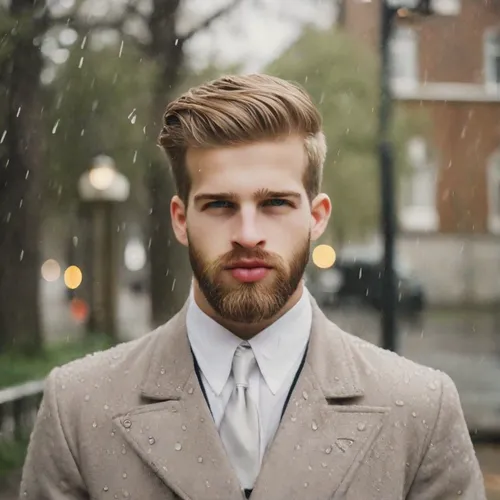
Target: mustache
column 249, row 253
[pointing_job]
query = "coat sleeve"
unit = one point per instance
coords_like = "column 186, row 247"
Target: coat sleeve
column 51, row 471
column 449, row 468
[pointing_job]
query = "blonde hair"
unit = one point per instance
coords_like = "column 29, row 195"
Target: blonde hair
column 241, row 109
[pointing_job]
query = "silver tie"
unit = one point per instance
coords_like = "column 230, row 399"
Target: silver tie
column 239, row 429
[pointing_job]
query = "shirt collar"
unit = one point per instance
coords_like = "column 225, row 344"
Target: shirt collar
column 277, row 349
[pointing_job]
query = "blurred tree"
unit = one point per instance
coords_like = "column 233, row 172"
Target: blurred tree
column 22, row 24
column 98, row 103
column 342, row 79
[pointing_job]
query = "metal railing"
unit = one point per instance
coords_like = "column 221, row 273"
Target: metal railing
column 18, row 409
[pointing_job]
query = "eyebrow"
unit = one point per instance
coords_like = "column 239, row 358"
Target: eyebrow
column 260, row 194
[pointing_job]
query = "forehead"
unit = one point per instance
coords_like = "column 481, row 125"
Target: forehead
column 275, row 165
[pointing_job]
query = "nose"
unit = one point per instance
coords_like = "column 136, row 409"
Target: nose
column 248, row 232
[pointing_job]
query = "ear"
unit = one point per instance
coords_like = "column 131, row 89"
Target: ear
column 178, row 212
column 321, row 209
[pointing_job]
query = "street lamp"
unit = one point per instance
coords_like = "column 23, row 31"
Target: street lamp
column 101, row 189
column 390, row 10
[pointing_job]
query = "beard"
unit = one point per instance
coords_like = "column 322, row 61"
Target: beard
column 249, row 302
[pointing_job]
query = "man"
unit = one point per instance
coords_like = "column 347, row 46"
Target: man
column 249, row 391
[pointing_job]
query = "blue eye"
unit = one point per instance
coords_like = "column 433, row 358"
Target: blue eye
column 219, row 204
column 277, row 202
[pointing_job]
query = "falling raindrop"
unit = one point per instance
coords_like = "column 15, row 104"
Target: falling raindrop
column 27, row 174
column 3, row 136
column 121, row 49
column 173, row 285
column 22, row 255
column 54, row 128
column 176, row 41
column 84, row 41
column 135, row 156
column 133, row 119
column 18, row 112
column 80, row 64
column 20, row 203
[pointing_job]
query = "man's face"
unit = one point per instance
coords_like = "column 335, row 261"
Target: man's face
column 248, row 226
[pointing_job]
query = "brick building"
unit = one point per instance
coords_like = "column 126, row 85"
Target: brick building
column 449, row 65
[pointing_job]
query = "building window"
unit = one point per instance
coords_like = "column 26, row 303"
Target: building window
column 493, row 180
column 492, row 57
column 404, row 57
column 418, row 194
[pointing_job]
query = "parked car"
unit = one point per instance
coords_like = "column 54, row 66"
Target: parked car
column 361, row 280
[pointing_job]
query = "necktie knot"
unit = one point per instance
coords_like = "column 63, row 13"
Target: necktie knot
column 243, row 364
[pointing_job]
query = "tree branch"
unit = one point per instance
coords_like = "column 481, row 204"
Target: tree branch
column 209, row 20
column 75, row 21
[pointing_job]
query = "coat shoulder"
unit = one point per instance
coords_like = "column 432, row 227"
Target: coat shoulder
column 392, row 379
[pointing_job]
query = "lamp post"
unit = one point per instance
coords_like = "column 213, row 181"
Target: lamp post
column 101, row 188
column 390, row 10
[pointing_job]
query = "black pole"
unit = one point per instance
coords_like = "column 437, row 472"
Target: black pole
column 386, row 158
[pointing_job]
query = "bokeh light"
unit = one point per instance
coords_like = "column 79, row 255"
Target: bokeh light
column 51, row 270
column 73, row 277
column 324, row 256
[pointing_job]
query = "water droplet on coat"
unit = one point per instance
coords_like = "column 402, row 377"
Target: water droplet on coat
column 361, row 426
column 178, row 446
column 399, row 403
column 200, row 460
column 151, row 440
column 305, row 395
column 328, row 450
column 314, row 426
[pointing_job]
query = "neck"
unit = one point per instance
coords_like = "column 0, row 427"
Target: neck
column 245, row 331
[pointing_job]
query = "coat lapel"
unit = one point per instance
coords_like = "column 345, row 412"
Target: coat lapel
column 324, row 434
column 175, row 434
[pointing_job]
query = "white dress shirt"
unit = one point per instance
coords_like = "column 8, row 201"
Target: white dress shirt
column 279, row 350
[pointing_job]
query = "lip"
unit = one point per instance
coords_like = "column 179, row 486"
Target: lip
column 249, row 264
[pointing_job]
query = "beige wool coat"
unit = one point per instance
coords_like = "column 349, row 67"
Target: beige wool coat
column 362, row 423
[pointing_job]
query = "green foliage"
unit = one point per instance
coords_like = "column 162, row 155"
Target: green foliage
column 99, row 103
column 342, row 78
column 17, row 368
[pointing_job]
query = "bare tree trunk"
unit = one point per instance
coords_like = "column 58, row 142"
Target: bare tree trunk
column 20, row 188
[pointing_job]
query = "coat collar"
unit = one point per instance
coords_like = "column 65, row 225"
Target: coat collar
column 329, row 356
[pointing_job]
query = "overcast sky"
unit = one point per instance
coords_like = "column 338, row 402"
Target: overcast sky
column 256, row 32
